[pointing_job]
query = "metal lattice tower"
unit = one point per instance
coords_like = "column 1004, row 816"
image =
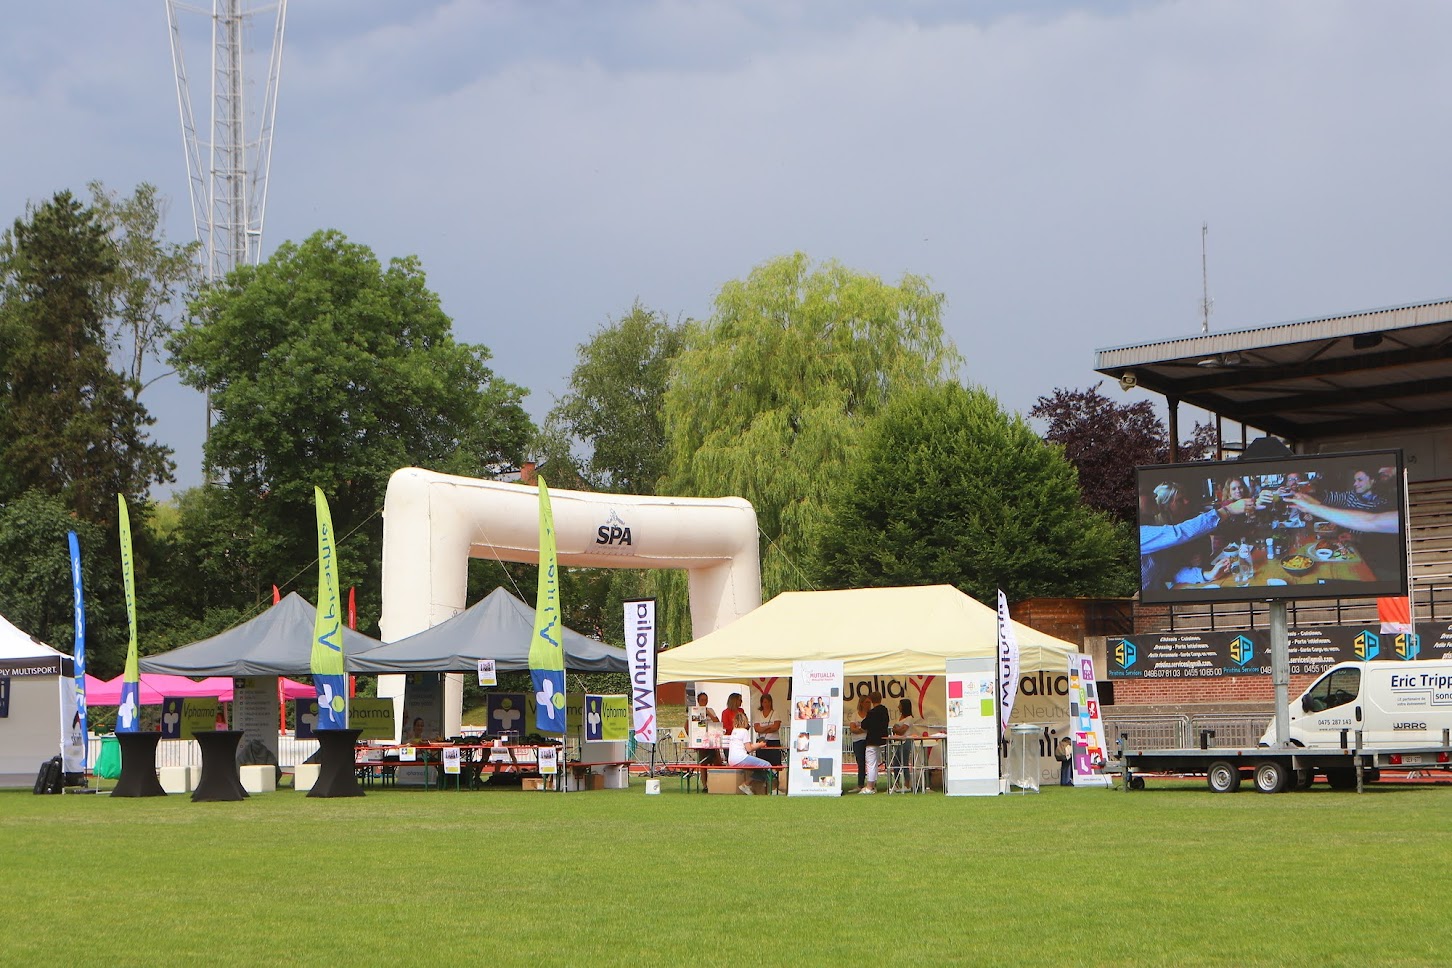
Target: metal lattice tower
column 228, row 173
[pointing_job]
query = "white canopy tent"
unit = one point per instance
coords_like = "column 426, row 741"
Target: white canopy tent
column 874, row 631
column 39, row 705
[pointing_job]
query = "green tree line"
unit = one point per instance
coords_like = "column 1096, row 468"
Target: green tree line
column 830, row 398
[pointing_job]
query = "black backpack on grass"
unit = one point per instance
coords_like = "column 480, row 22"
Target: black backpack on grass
column 50, row 778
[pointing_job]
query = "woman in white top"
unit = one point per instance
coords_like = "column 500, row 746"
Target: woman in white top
column 738, row 754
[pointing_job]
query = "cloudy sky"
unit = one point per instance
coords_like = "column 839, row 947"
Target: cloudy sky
column 1047, row 165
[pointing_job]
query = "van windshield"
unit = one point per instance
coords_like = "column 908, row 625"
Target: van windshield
column 1337, row 689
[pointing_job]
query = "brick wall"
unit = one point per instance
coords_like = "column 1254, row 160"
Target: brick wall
column 1190, row 692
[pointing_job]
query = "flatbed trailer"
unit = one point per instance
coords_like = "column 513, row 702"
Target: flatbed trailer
column 1274, row 769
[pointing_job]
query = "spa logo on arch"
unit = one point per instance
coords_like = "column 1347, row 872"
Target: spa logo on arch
column 614, row 532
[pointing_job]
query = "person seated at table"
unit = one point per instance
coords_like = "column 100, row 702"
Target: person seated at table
column 1175, row 526
column 1380, row 551
column 902, row 754
column 738, row 754
column 732, row 713
column 1363, row 495
column 418, row 731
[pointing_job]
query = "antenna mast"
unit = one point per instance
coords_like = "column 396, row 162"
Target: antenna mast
column 227, row 175
column 1205, row 301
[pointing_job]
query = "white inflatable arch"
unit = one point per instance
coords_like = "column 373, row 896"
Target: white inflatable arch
column 434, row 523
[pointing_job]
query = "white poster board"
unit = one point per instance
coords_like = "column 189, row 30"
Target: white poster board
column 814, row 739
column 971, row 750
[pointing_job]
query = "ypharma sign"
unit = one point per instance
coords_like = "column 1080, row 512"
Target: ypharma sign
column 640, row 650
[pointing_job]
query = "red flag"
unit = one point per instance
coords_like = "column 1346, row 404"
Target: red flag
column 352, row 608
column 1395, row 614
column 276, row 595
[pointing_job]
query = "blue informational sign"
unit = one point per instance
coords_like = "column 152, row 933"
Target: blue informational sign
column 305, row 717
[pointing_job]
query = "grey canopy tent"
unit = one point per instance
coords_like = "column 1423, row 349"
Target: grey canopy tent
column 279, row 642
column 497, row 627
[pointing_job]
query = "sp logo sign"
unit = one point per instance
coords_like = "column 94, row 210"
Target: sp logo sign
column 1366, row 645
column 1125, row 653
column 1407, row 645
column 1242, row 650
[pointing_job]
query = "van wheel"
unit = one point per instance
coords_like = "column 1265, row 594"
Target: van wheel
column 1272, row 776
column 1223, row 777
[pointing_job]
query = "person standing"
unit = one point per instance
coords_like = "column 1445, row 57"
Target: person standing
column 875, row 725
column 903, row 752
column 768, row 730
column 859, row 741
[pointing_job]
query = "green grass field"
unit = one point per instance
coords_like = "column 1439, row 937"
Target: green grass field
column 1171, row 876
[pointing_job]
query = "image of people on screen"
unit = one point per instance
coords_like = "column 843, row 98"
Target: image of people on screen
column 1328, row 521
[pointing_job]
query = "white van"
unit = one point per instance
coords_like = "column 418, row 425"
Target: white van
column 1396, row 705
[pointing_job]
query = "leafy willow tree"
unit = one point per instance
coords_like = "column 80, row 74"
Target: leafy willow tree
column 769, row 396
column 154, row 279
column 70, row 425
column 948, row 488
column 614, row 404
column 327, row 368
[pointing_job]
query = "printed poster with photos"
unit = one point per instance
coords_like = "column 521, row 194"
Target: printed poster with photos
column 814, row 742
column 1084, row 718
column 971, row 757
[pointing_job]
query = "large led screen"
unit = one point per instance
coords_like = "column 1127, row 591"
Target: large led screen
column 1322, row 526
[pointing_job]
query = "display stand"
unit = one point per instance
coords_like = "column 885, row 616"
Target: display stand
column 220, row 779
column 1023, row 756
column 138, row 766
column 337, row 772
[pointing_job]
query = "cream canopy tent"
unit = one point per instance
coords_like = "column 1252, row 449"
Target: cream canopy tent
column 874, row 631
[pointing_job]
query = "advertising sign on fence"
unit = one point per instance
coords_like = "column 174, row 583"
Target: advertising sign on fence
column 1213, row 655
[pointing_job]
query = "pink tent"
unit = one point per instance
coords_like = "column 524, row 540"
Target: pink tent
column 155, row 687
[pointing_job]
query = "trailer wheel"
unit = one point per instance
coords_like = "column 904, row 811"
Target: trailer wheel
column 1223, row 777
column 1272, row 776
column 1341, row 778
column 1136, row 783
column 1305, row 777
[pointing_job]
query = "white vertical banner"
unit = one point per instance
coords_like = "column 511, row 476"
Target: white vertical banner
column 640, row 653
column 814, row 743
column 1084, row 718
column 1007, row 661
column 971, row 751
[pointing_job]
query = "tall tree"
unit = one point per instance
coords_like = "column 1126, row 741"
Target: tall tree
column 615, row 402
column 155, row 279
column 1105, row 441
column 35, row 579
column 948, row 488
column 327, row 368
column 769, row 397
column 69, row 424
